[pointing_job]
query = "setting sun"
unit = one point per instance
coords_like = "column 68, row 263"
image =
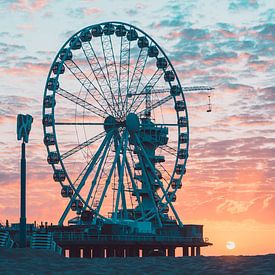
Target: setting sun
column 230, row 245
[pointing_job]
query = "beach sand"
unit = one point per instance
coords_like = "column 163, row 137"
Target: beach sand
column 30, row 261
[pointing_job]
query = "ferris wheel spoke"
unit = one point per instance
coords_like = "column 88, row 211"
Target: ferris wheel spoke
column 80, row 123
column 103, row 168
column 84, row 178
column 157, row 178
column 99, row 169
column 97, row 70
column 117, row 154
column 121, row 168
column 84, row 81
column 155, row 105
column 83, row 145
column 146, row 91
column 137, row 74
column 169, row 149
column 124, row 68
column 111, row 69
column 81, row 102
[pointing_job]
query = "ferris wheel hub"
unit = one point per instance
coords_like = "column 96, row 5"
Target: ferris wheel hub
column 132, row 122
column 109, row 123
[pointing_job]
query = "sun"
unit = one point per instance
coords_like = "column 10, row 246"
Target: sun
column 230, row 245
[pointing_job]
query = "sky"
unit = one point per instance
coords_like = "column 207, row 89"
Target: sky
column 229, row 45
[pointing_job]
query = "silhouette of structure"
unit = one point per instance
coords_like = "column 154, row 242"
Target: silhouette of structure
column 23, row 130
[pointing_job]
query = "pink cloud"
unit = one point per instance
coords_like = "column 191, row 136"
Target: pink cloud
column 91, row 11
column 29, row 6
column 26, row 69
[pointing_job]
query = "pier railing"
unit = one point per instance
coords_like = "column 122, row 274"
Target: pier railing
column 80, row 236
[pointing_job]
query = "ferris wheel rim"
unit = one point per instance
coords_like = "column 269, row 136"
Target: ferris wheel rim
column 57, row 76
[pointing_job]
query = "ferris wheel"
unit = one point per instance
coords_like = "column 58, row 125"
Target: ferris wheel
column 116, row 127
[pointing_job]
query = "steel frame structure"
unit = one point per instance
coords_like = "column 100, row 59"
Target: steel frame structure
column 125, row 93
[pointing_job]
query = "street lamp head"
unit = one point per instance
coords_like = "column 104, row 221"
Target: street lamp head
column 24, row 123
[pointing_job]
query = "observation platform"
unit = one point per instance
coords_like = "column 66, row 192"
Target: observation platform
column 81, row 242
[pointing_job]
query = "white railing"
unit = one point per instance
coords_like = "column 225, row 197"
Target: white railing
column 5, row 240
column 44, row 241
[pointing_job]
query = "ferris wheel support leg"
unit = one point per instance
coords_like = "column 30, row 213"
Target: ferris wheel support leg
column 99, row 168
column 109, row 178
column 160, row 183
column 121, row 167
column 134, row 187
column 82, row 183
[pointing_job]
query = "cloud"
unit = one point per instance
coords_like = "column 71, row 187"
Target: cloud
column 243, row 5
column 29, row 6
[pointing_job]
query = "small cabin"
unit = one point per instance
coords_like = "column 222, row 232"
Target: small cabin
column 76, row 205
column 156, row 197
column 169, row 76
column 182, row 122
column 85, row 36
column 53, row 158
column 162, row 63
column 159, row 174
column 180, row 105
column 153, row 51
column 180, row 169
column 47, row 120
column 67, row 191
column 97, row 31
column 120, row 31
column 175, row 90
column 132, row 35
column 109, row 29
column 49, row 101
column 176, row 184
column 182, row 154
column 57, row 66
column 59, row 175
column 49, row 139
column 52, row 84
column 183, row 138
column 172, row 196
column 143, row 42
column 164, row 208
column 75, row 43
column 66, row 54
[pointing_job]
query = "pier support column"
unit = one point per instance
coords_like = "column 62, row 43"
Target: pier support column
column 110, row 252
column 185, row 251
column 132, row 251
column 119, row 252
column 63, row 252
column 198, row 251
column 171, row 251
column 192, row 251
column 98, row 252
column 135, row 251
column 87, row 252
column 145, row 252
column 162, row 252
column 74, row 252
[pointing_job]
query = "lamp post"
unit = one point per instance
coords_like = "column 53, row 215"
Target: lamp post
column 23, row 130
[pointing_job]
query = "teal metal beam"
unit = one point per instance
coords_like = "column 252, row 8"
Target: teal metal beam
column 159, row 182
column 83, row 180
